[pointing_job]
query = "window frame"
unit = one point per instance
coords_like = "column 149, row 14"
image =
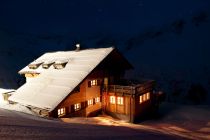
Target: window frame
column 144, row 97
column 97, row 100
column 120, row 100
column 90, row 102
column 148, row 95
column 141, row 99
column 61, row 111
column 112, row 99
column 77, row 106
column 93, row 82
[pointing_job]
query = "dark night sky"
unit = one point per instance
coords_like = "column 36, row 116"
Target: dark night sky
column 166, row 40
column 84, row 17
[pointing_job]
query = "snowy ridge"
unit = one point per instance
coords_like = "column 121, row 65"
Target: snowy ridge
column 52, row 86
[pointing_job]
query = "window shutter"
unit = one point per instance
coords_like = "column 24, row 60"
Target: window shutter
column 100, row 98
column 86, row 104
column 66, row 110
column 89, row 83
column 98, row 82
column 83, row 105
column 94, row 101
column 72, row 108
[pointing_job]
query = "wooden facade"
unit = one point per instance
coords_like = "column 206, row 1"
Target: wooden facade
column 131, row 103
column 83, row 102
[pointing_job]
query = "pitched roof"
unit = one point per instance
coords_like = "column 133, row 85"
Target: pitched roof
column 53, row 85
column 6, row 90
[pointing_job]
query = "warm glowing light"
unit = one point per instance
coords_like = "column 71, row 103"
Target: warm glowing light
column 112, row 99
column 77, row 106
column 97, row 99
column 140, row 99
column 148, row 95
column 120, row 100
column 144, row 97
column 106, row 81
column 61, row 111
column 77, row 45
column 93, row 82
column 90, row 102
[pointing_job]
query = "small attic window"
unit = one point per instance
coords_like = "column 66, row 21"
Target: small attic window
column 60, row 64
column 34, row 65
column 47, row 64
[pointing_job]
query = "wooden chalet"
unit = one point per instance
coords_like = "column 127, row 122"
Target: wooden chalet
column 84, row 83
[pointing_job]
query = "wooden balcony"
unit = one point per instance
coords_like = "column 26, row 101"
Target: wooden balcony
column 131, row 89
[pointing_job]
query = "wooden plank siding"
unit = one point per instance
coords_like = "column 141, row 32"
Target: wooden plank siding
column 85, row 93
column 132, row 109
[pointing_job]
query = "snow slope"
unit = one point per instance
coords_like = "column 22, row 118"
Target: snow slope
column 176, row 122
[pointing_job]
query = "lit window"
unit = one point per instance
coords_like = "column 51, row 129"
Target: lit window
column 90, row 102
column 112, row 99
column 61, row 111
column 94, row 82
column 120, row 100
column 77, row 106
column 97, row 99
column 140, row 99
column 148, row 95
column 144, row 97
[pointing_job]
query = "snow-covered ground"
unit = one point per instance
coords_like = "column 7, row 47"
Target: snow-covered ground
column 174, row 122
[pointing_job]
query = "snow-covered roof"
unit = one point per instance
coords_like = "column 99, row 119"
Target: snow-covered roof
column 53, row 85
column 6, row 90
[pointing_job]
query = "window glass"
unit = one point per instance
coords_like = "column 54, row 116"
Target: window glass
column 61, row 111
column 140, row 99
column 77, row 106
column 90, row 102
column 97, row 99
column 144, row 97
column 94, row 82
column 148, row 95
column 120, row 100
column 112, row 99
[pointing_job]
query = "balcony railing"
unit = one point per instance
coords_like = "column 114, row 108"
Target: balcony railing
column 121, row 89
column 133, row 89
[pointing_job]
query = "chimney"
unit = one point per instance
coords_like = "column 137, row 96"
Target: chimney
column 77, row 47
